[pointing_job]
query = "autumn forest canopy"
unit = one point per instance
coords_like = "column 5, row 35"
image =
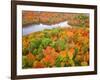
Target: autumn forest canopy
column 56, row 47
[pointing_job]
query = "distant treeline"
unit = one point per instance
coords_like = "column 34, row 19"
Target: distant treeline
column 74, row 19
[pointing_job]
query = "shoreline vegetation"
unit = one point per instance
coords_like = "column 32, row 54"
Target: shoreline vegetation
column 57, row 47
column 49, row 18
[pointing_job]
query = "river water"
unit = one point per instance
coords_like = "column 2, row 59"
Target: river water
column 39, row 27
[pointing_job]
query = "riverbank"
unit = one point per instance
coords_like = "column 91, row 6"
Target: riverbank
column 49, row 18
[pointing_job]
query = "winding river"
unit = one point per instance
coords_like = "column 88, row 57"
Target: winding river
column 39, row 27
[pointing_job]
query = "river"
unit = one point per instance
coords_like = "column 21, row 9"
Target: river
column 39, row 27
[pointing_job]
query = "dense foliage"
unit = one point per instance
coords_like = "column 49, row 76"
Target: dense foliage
column 58, row 47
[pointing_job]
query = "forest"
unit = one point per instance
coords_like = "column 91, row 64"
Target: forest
column 56, row 47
